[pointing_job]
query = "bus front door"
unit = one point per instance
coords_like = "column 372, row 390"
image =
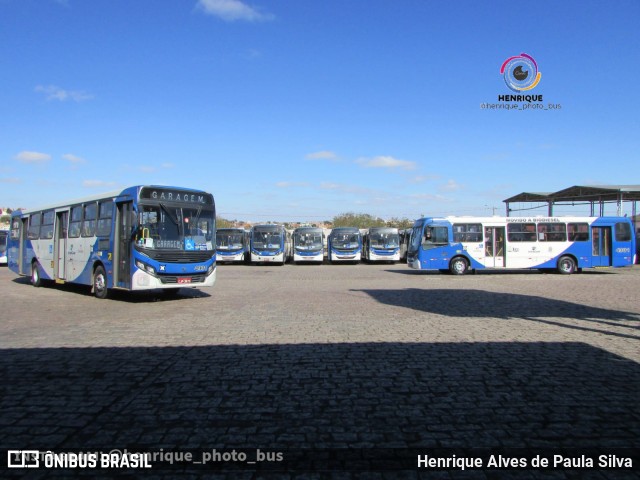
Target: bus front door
column 601, row 246
column 60, row 248
column 25, row 266
column 122, row 245
column 494, row 247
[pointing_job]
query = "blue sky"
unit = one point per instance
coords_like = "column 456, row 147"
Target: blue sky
column 302, row 110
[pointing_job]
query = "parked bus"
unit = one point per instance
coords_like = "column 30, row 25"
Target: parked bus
column 232, row 245
column 269, row 244
column 566, row 244
column 4, row 235
column 381, row 244
column 139, row 238
column 344, row 245
column 308, row 244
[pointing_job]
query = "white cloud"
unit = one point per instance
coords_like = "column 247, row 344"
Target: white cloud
column 73, row 158
column 167, row 165
column 323, row 155
column 423, row 178
column 450, row 186
column 232, row 10
column 386, row 162
column 427, row 196
column 342, row 188
column 11, row 180
column 33, row 157
column 97, row 184
column 53, row 92
column 291, row 184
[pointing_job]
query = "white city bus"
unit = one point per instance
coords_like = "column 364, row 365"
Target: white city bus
column 344, row 245
column 381, row 244
column 269, row 244
column 232, row 245
column 139, row 238
column 565, row 244
column 308, row 244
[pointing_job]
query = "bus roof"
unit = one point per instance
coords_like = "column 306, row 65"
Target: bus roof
column 132, row 191
column 503, row 220
column 346, row 230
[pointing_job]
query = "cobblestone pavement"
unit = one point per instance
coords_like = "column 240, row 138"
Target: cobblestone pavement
column 312, row 360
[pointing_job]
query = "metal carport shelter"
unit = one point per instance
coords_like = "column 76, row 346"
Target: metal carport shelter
column 584, row 194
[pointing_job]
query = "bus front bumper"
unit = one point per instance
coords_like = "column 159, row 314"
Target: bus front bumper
column 144, row 281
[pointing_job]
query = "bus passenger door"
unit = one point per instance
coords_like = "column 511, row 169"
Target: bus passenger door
column 494, row 247
column 122, row 245
column 60, row 247
column 24, row 262
column 601, row 246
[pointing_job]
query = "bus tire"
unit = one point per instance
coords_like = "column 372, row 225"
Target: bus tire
column 36, row 279
column 100, row 282
column 459, row 266
column 566, row 265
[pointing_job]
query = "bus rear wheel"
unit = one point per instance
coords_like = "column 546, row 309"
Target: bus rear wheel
column 459, row 266
column 566, row 265
column 36, row 279
column 100, row 283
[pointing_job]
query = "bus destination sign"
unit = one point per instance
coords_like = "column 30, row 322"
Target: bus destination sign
column 174, row 195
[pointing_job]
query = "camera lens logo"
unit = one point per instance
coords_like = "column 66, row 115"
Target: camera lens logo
column 520, row 72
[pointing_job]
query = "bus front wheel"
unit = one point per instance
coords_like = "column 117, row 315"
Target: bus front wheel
column 36, row 279
column 566, row 265
column 100, row 282
column 459, row 266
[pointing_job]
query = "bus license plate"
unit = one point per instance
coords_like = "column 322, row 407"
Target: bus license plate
column 184, row 279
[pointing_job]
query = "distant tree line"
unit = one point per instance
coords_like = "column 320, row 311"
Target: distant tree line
column 358, row 220
column 365, row 220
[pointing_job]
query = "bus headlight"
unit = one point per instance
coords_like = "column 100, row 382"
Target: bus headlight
column 147, row 268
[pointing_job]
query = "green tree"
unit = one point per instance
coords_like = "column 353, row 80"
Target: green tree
column 358, row 220
column 400, row 223
column 224, row 223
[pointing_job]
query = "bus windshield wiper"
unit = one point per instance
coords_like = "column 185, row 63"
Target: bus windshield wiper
column 173, row 219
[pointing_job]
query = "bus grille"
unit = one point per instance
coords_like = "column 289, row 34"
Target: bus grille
column 179, row 256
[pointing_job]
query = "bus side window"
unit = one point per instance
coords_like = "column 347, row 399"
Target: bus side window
column 34, row 226
column 434, row 236
column 623, row 232
column 89, row 222
column 76, row 222
column 578, row 232
column 46, row 228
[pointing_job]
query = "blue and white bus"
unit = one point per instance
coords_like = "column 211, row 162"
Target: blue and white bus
column 381, row 244
column 4, row 236
column 344, row 245
column 308, row 244
column 565, row 244
column 269, row 244
column 140, row 238
column 232, row 245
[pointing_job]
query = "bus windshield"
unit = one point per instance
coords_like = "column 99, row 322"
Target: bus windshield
column 267, row 240
column 345, row 240
column 3, row 239
column 308, row 241
column 176, row 228
column 229, row 241
column 384, row 240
